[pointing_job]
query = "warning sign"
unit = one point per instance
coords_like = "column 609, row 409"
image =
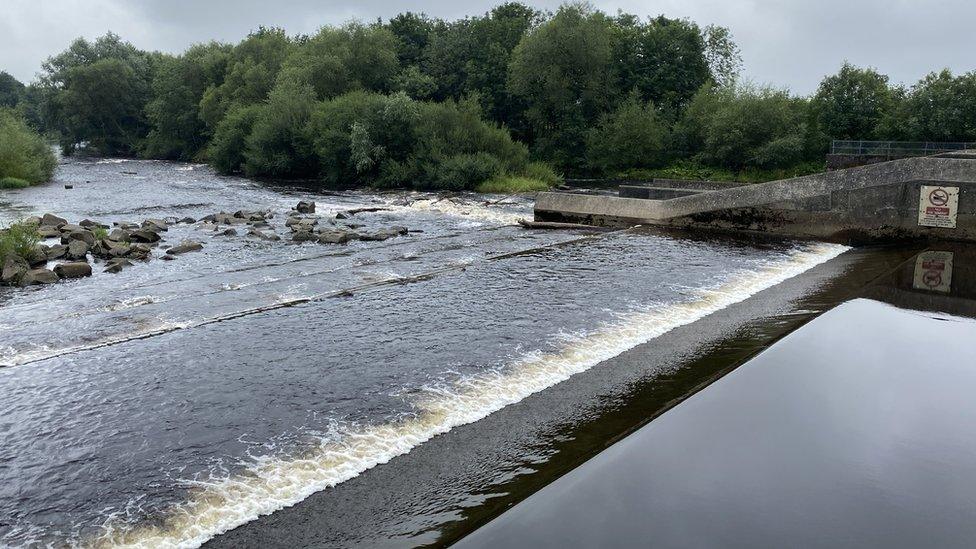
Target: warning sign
column 933, row 272
column 937, row 206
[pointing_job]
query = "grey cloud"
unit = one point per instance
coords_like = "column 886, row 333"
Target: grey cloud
column 786, row 43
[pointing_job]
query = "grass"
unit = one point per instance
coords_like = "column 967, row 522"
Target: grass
column 687, row 169
column 18, row 239
column 100, row 233
column 13, row 183
column 509, row 184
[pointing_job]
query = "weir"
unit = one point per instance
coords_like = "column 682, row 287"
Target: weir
column 931, row 198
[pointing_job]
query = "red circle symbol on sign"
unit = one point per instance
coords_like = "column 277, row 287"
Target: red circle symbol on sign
column 939, row 197
column 932, row 278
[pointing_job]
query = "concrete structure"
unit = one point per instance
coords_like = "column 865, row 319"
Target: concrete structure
column 861, row 204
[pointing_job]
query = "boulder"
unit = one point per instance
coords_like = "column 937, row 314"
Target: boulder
column 125, row 225
column 38, row 276
column 342, row 215
column 33, row 220
column 303, row 236
column 384, row 234
column 155, row 225
column 335, row 236
column 14, row 269
column 168, row 257
column 116, row 265
column 305, row 207
column 77, row 249
column 88, row 224
column 209, row 218
column 83, row 235
column 56, row 252
column 144, row 235
column 37, row 256
column 229, row 232
column 119, row 235
column 48, row 231
column 138, row 251
column 51, row 220
column 185, row 247
column 188, row 220
column 263, row 235
column 74, row 269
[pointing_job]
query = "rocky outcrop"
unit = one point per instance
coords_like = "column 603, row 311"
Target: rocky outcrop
column 51, row 220
column 185, row 247
column 56, row 252
column 38, row 276
column 77, row 249
column 144, row 235
column 305, row 207
column 14, row 269
column 74, row 269
column 336, row 236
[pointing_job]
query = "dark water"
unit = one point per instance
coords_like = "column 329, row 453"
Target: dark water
column 176, row 400
column 850, row 432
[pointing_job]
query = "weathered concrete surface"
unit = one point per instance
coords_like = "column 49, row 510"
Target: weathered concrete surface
column 866, row 203
column 655, row 193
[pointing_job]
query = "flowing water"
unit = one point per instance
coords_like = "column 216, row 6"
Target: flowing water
column 178, row 399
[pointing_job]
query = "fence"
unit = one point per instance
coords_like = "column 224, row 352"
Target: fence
column 895, row 149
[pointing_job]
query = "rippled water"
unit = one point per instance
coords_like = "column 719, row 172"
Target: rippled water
column 171, row 402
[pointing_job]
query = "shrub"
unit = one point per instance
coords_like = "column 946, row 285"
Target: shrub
column 14, row 183
column 229, row 142
column 23, row 153
column 466, row 171
column 19, row 239
column 540, row 171
column 507, row 184
column 632, row 136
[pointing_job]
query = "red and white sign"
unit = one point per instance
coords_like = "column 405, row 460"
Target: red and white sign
column 933, row 272
column 937, row 206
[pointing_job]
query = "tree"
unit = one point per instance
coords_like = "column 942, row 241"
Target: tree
column 561, row 69
column 11, row 90
column 671, row 66
column 23, row 153
column 722, row 55
column 177, row 131
column 95, row 93
column 279, row 144
column 942, row 107
column 852, row 103
column 413, row 32
column 631, row 136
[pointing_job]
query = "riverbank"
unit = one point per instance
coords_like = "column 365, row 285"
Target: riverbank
column 457, row 481
column 830, row 438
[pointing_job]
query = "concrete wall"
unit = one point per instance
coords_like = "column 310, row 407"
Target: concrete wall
column 864, row 204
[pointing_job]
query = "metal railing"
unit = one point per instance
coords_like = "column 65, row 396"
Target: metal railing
column 896, row 149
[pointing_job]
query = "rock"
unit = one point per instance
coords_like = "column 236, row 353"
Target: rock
column 14, row 269
column 155, row 225
column 88, row 224
column 292, row 221
column 38, row 256
column 38, row 276
column 56, row 252
column 77, row 249
column 144, row 235
column 33, row 220
column 138, row 251
column 119, row 235
column 342, row 215
column 303, row 236
column 305, row 207
column 69, row 187
column 116, row 265
column 188, row 220
column 51, row 220
column 168, row 257
column 185, row 247
column 74, row 269
column 263, row 235
column 84, row 235
column 384, row 234
column 335, row 236
column 125, row 225
column 210, row 218
column 229, row 232
column 48, row 231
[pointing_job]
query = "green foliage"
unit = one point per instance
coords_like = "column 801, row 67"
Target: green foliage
column 99, row 232
column 11, row 91
column 13, row 183
column 744, row 126
column 465, row 171
column 942, row 107
column 852, row 103
column 540, row 171
column 278, row 144
column 696, row 171
column 24, row 155
column 561, row 69
column 96, row 93
column 18, row 239
column 507, row 184
column 226, row 151
column 632, row 136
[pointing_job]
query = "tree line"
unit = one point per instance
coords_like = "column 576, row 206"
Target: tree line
column 515, row 93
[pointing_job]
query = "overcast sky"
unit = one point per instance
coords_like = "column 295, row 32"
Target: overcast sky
column 788, row 43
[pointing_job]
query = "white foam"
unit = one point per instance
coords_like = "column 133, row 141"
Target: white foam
column 468, row 210
column 273, row 483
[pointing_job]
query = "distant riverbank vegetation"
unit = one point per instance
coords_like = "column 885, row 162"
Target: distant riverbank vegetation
column 25, row 157
column 503, row 101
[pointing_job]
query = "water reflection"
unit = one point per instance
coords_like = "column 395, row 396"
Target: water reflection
column 852, row 431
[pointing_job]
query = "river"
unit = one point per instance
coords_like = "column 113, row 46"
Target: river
column 177, row 400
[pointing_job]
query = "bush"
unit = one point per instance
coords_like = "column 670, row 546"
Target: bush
column 466, row 171
column 230, row 139
column 24, row 155
column 506, row 184
column 632, row 136
column 14, row 183
column 540, row 171
column 19, row 239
